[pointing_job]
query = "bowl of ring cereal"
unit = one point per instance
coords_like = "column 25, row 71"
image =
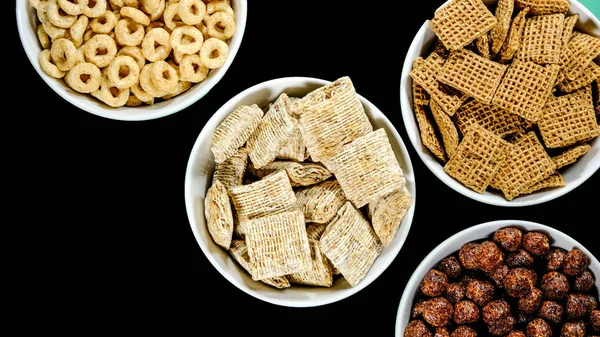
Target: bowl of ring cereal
column 299, row 191
column 131, row 60
column 509, row 278
column 500, row 98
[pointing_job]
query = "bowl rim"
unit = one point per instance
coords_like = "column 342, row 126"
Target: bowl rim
column 456, row 239
column 495, row 199
column 190, row 198
column 124, row 113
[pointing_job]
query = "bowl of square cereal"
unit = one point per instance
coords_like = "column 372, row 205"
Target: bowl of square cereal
column 503, row 278
column 500, row 98
column 131, row 60
column 299, row 191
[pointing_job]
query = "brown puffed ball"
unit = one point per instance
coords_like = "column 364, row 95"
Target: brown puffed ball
column 552, row 311
column 441, row 332
column 578, row 305
column 595, row 320
column 515, row 333
column 438, row 311
column 451, row 266
column 502, row 326
column 555, row 258
column 455, row 292
column 488, row 256
column 519, row 259
column 584, row 282
column 467, row 255
column 519, row 282
column 576, row 262
column 555, row 285
column 417, row 328
column 509, row 238
column 532, row 301
column 464, row 331
column 499, row 274
column 573, row 329
column 480, row 292
column 536, row 243
column 465, row 312
column 434, row 283
column 495, row 311
column 538, row 327
column 418, row 308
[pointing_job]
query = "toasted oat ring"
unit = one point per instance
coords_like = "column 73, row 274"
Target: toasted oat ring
column 218, row 6
column 64, row 54
column 146, row 83
column 40, row 5
column 213, row 53
column 71, row 7
column 140, row 93
column 191, row 12
column 220, row 25
column 43, row 37
column 134, row 52
column 158, row 13
column 149, row 6
column 180, row 88
column 164, row 76
column 191, row 44
column 98, row 7
column 84, row 77
column 116, row 4
column 100, row 49
column 136, row 15
column 129, row 32
column 48, row 67
column 111, row 95
column 123, row 71
column 104, row 23
column 171, row 16
column 191, row 69
column 77, row 30
column 160, row 37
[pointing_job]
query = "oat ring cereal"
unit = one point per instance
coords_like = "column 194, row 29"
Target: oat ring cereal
column 110, row 94
column 116, row 4
column 191, row 12
column 94, row 8
column 104, row 23
column 100, row 49
column 149, row 6
column 48, row 66
column 71, row 7
column 213, row 53
column 84, row 77
column 146, row 83
column 64, row 54
column 158, row 12
column 191, row 69
column 220, row 25
column 140, row 93
column 40, row 5
column 134, row 52
column 218, row 6
column 53, row 31
column 123, row 71
column 129, row 32
column 164, row 76
column 77, row 30
column 171, row 16
column 156, row 45
column 192, row 44
column 58, row 17
column 136, row 15
column 43, row 37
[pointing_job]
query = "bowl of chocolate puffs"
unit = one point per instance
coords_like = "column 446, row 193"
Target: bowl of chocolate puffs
column 503, row 278
column 500, row 98
column 299, row 191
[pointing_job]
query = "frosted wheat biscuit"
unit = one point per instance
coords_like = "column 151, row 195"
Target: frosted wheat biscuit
column 319, row 274
column 542, row 39
column 526, row 164
column 568, row 119
column 570, row 155
column 420, row 95
column 231, row 171
column 513, row 39
column 239, row 252
column 217, row 210
column 490, row 117
column 278, row 245
column 555, row 180
column 330, row 117
column 541, row 7
column 446, row 127
column 504, row 12
column 568, row 28
column 367, row 168
column 271, row 194
column 294, row 149
column 300, row 174
column 387, row 213
column 350, row 243
column 472, row 74
column 462, row 21
column 425, row 75
column 483, row 46
column 428, row 134
column 314, row 231
column 234, row 131
column 479, row 156
column 272, row 133
column 525, row 89
column 320, row 202
column 589, row 75
column 581, row 50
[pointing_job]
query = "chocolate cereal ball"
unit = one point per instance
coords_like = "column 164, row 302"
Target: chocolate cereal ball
column 495, row 311
column 499, row 274
column 583, row 282
column 466, row 312
column 451, row 266
column 555, row 258
column 438, row 311
column 464, row 331
column 573, row 329
column 532, row 301
column 538, row 327
column 434, row 283
column 488, row 256
column 480, row 292
column 578, row 305
column 515, row 333
column 552, row 311
column 536, row 243
column 555, row 285
column 519, row 282
column 576, row 262
column 509, row 238
column 417, row 328
column 441, row 332
column 455, row 292
column 467, row 255
column 595, row 320
column 418, row 308
column 519, row 259
column 502, row 326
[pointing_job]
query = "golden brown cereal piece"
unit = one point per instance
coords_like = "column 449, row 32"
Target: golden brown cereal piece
column 131, row 33
column 319, row 274
column 231, row 171
column 568, row 119
column 568, row 28
column 100, row 50
column 428, row 133
column 93, row 9
column 84, row 77
column 331, row 116
column 504, row 12
column 191, row 12
column 272, row 133
column 220, row 25
column 541, row 7
column 425, row 75
column 420, row 95
column 367, row 168
column 191, row 69
column 135, row 14
column 570, row 155
column 300, row 174
column 214, row 52
column 446, row 127
column 479, row 156
column 589, row 75
column 513, row 40
column 581, row 50
column 239, row 252
column 64, row 54
column 193, row 39
column 527, row 163
column 490, row 117
column 482, row 44
column 156, row 44
column 554, row 180
column 219, row 218
column 542, row 39
column 387, row 213
column 104, row 23
column 462, row 21
column 472, row 74
column 320, row 202
column 350, row 243
column 271, row 194
column 278, row 245
column 233, row 132
column 525, row 89
column 123, row 71
column 58, row 16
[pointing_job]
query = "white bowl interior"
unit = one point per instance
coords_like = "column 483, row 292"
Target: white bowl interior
column 574, row 175
column 26, row 23
column 199, row 176
column 478, row 232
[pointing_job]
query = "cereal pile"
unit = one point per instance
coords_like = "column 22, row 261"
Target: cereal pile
column 133, row 52
column 506, row 100
column 513, row 283
column 304, row 190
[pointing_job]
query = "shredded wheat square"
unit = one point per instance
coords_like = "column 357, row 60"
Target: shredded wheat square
column 542, row 39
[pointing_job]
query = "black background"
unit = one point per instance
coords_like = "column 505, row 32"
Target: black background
column 113, row 246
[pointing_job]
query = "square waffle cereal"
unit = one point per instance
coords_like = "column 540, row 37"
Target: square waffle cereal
column 513, row 39
column 428, row 132
column 554, row 180
column 579, row 52
column 589, row 75
column 489, row 116
column 570, row 155
column 504, row 12
column 446, row 127
column 542, row 39
column 239, row 252
column 542, row 7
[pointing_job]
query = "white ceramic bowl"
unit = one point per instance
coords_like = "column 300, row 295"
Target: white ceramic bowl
column 574, row 175
column 26, row 23
column 199, row 176
column 478, row 232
